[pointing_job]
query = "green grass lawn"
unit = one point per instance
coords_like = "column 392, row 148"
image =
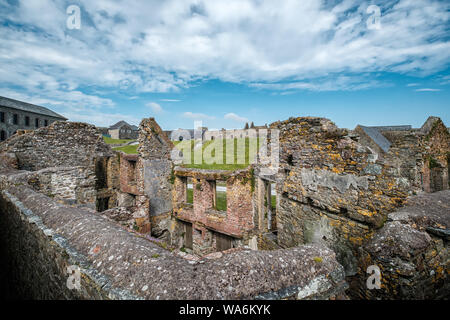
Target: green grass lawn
column 189, row 145
column 221, row 201
column 127, row 149
column 238, row 144
column 190, row 196
column 109, row 140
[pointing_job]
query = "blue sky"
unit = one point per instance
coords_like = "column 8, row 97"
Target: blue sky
column 229, row 62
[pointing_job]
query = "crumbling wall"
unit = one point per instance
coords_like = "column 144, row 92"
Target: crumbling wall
column 67, row 160
column 436, row 166
column 411, row 251
column 154, row 169
column 337, row 189
column 420, row 156
column 117, row 264
column 332, row 189
column 238, row 219
column 62, row 144
column 72, row 184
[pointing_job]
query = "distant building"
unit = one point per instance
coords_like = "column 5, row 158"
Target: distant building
column 185, row 134
column 17, row 115
column 233, row 133
column 123, row 130
column 188, row 134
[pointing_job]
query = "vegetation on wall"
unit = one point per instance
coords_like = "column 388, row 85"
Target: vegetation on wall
column 432, row 163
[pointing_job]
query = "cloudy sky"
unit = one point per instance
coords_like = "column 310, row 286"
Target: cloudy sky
column 228, row 62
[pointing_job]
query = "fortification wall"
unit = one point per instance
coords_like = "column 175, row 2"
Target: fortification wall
column 335, row 190
column 40, row 238
column 412, row 251
column 62, row 144
column 67, row 160
column 331, row 189
column 35, row 259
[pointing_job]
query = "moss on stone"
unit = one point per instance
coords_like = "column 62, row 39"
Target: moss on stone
column 432, row 163
column 318, row 259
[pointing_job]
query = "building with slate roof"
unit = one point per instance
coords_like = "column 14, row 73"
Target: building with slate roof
column 18, row 115
column 123, row 130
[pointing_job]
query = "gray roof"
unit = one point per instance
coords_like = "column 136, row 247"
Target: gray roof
column 28, row 107
column 376, row 136
column 393, row 128
column 122, row 123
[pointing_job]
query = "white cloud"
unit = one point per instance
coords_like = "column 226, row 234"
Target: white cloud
column 164, row 46
column 197, row 116
column 156, row 108
column 330, row 83
column 428, row 90
column 235, row 117
column 413, row 84
column 169, row 100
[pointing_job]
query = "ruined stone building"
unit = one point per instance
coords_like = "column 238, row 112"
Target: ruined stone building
column 17, row 115
column 345, row 200
column 68, row 201
column 338, row 187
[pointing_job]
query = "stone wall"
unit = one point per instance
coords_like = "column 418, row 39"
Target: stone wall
column 68, row 161
column 73, row 184
column 40, row 238
column 336, row 188
column 231, row 134
column 62, row 144
column 331, row 189
column 412, row 251
column 153, row 172
column 238, row 219
column 10, row 128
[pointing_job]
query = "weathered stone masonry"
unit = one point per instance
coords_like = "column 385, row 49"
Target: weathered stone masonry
column 337, row 187
column 236, row 223
column 117, row 264
column 412, row 251
column 68, row 161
